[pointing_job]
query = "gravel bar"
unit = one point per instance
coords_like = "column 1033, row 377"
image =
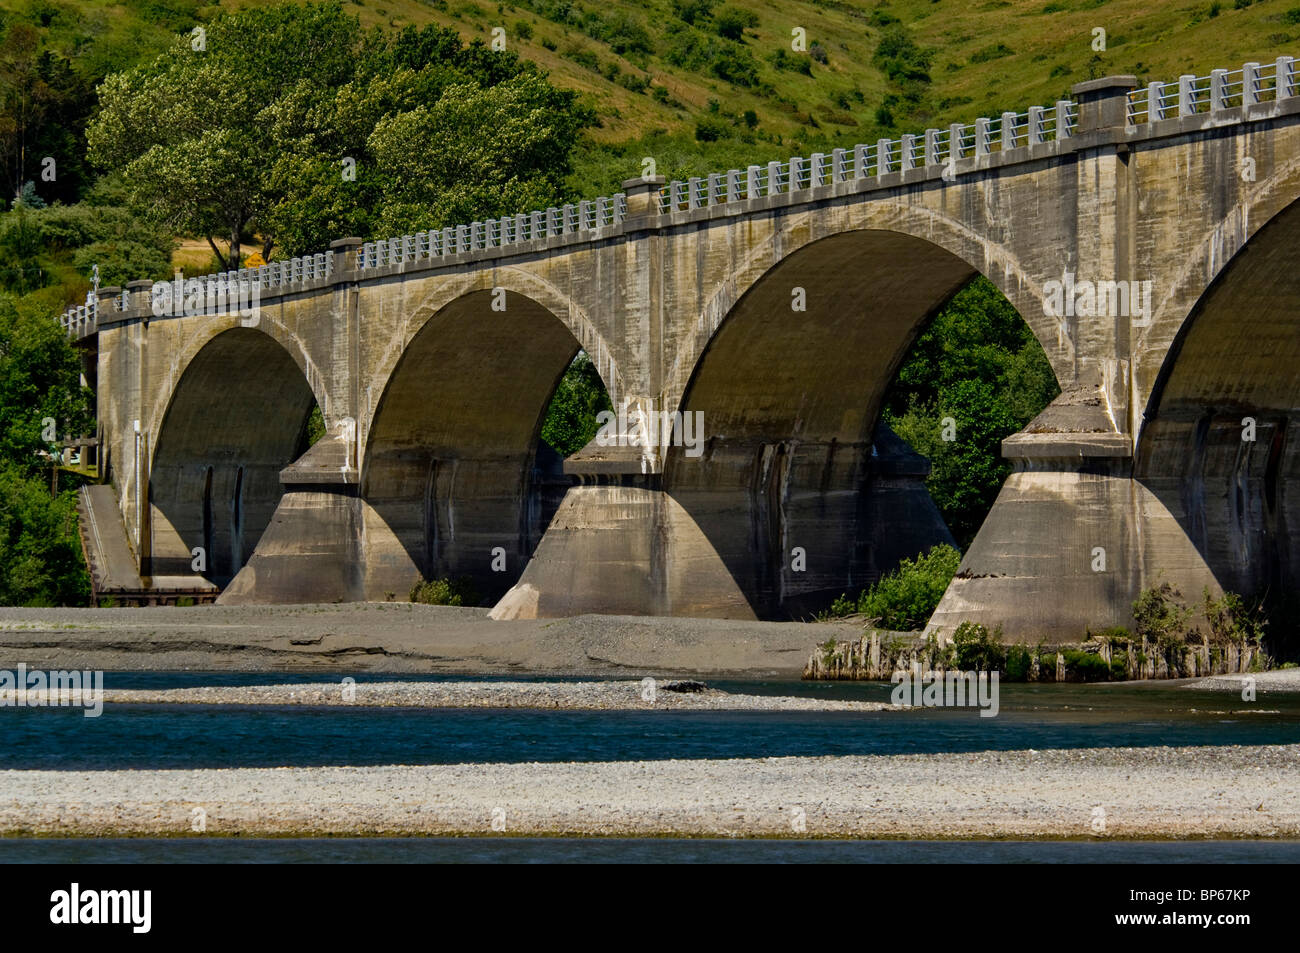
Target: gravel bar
column 1139, row 793
column 578, row 696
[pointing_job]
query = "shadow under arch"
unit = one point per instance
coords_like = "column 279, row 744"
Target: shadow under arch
column 236, row 417
column 1220, row 440
column 790, row 402
column 455, row 481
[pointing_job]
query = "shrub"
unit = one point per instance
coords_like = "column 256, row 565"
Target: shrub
column 444, row 592
column 523, row 30
column 1086, row 666
column 1159, row 616
column 977, row 649
column 731, row 22
column 1231, row 620
column 1019, row 663
column 905, row 598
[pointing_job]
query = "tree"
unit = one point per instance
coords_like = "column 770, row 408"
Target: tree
column 298, row 126
column 977, row 363
column 570, row 422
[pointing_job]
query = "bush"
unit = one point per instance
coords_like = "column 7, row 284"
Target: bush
column 1160, row 618
column 905, row 598
column 1086, row 666
column 1019, row 663
column 444, row 592
column 731, row 22
column 977, row 649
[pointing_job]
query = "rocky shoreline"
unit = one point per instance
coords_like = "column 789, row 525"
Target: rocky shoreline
column 1118, row 793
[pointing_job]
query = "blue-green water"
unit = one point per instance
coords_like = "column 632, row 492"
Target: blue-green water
column 1031, row 716
column 527, row 850
column 205, row 736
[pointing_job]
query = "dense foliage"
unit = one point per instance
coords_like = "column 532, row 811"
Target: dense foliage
column 570, row 422
column 40, row 555
column 904, row 599
column 977, row 363
column 294, row 124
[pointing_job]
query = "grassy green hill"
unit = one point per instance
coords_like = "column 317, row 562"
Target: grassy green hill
column 699, row 84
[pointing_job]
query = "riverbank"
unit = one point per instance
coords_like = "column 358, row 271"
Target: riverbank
column 1119, row 793
column 401, row 637
column 643, row 695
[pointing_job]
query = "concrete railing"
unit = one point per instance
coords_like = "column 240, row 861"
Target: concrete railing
column 933, row 147
column 586, row 216
column 1222, row 89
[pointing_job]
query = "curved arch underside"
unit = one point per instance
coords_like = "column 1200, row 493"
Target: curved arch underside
column 1238, row 357
column 790, row 403
column 235, row 420
column 450, row 472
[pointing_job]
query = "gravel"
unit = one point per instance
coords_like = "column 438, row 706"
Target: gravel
column 1162, row 792
column 591, row 696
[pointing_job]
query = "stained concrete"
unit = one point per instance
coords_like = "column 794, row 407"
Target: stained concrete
column 434, row 398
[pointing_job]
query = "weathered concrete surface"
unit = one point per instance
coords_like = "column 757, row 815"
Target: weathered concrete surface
column 435, row 394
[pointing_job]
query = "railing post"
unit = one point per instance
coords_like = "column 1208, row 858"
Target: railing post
column 1285, row 77
column 693, row 192
column 817, row 173
column 1103, row 103
column 642, row 200
column 1062, row 119
column 1250, row 84
column 907, row 153
column 1008, row 131
column 931, row 147
column 882, row 157
column 955, row 133
column 796, row 172
column 1218, row 94
column 752, row 175
column 715, row 181
column 733, row 185
column 1155, row 102
column 1186, row 94
column 1035, row 129
column 860, row 161
column 773, row 178
column 981, row 137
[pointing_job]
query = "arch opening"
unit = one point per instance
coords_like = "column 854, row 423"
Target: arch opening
column 803, row 490
column 1220, row 440
column 239, row 414
column 458, row 483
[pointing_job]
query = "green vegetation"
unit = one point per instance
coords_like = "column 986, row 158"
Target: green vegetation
column 372, row 134
column 904, row 599
column 977, row 363
column 976, row 649
column 444, row 592
column 40, row 555
column 570, row 421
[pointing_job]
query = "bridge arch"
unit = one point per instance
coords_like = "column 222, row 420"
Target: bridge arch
column 235, row 416
column 454, row 482
column 1177, row 305
column 790, row 402
column 1220, row 444
column 897, row 222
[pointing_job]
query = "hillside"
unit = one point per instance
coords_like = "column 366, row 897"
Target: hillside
column 693, row 98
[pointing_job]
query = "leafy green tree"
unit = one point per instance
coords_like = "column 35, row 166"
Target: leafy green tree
column 297, row 126
column 40, row 555
column 570, row 422
column 977, row 363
